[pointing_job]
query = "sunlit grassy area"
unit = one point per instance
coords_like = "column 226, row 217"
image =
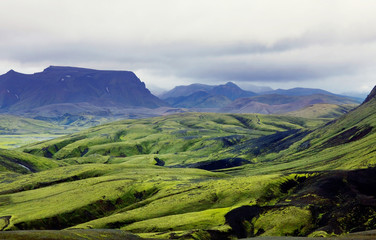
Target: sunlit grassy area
column 18, row 140
column 197, row 176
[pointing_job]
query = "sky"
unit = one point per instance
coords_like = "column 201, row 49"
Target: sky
column 325, row 44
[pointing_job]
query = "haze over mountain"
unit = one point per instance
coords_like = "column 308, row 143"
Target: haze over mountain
column 81, row 96
column 298, row 91
column 205, row 96
column 232, row 99
column 277, row 103
column 61, row 85
column 229, row 90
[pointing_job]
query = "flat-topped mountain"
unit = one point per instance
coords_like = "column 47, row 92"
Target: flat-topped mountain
column 57, row 85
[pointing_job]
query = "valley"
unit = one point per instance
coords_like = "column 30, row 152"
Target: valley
column 187, row 120
column 172, row 172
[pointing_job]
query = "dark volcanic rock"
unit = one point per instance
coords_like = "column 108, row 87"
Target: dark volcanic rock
column 57, row 85
column 217, row 164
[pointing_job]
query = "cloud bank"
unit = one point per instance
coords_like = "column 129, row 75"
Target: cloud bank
column 309, row 43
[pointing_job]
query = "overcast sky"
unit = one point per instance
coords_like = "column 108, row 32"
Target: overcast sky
column 291, row 43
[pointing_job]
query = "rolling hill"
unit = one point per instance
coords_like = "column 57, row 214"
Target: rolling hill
column 202, row 176
column 323, row 111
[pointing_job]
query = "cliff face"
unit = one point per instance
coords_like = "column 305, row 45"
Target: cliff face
column 57, row 85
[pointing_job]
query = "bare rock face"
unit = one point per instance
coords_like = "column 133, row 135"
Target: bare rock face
column 57, row 85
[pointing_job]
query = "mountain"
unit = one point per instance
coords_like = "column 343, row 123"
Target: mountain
column 181, row 91
column 277, row 103
column 230, row 90
column 199, row 99
column 207, row 96
column 59, row 85
column 299, row 92
column 229, row 98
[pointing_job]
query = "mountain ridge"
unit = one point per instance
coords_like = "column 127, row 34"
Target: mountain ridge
column 229, row 90
column 59, row 84
column 278, row 104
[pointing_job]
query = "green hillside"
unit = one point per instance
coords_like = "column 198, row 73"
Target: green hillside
column 346, row 143
column 20, row 162
column 323, row 111
column 178, row 140
column 200, row 176
column 16, row 131
column 10, row 124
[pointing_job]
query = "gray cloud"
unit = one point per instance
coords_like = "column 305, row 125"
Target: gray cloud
column 269, row 42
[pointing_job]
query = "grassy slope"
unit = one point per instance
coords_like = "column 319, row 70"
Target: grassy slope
column 116, row 195
column 322, row 111
column 346, row 143
column 78, row 234
column 16, row 131
column 18, row 125
column 25, row 163
column 196, row 137
column 186, row 203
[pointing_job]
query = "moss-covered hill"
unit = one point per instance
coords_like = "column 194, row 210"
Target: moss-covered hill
column 202, row 176
column 203, row 140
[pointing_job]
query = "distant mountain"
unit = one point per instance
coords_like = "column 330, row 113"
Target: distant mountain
column 277, row 103
column 199, row 99
column 299, row 92
column 205, row 96
column 60, row 85
column 231, row 90
column 182, row 91
column 309, row 91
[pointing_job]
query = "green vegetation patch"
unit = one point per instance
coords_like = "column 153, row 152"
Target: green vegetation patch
column 288, row 221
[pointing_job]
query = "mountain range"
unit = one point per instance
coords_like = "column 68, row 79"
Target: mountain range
column 229, row 98
column 70, row 93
